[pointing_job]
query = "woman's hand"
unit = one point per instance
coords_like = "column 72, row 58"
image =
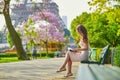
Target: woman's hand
column 74, row 50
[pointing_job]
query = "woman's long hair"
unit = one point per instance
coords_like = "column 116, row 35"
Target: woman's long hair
column 82, row 29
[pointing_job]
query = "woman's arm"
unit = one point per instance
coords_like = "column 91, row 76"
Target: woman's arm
column 78, row 49
column 83, row 48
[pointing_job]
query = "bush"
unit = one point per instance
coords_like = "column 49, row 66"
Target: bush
column 8, row 55
column 117, row 56
column 98, row 54
column 42, row 54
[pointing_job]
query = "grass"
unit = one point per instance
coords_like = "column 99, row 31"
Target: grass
column 8, row 59
column 15, row 59
column 5, row 58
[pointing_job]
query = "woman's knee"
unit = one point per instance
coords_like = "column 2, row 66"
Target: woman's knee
column 68, row 53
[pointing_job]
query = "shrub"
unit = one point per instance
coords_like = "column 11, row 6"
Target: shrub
column 98, row 54
column 8, row 55
column 42, row 54
column 117, row 56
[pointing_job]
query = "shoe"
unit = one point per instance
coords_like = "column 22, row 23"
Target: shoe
column 62, row 69
column 68, row 74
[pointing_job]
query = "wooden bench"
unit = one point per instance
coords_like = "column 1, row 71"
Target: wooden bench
column 103, row 56
column 92, row 70
column 97, row 72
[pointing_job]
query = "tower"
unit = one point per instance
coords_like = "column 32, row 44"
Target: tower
column 46, row 1
column 20, row 14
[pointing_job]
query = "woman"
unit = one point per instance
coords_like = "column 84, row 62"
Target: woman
column 78, row 54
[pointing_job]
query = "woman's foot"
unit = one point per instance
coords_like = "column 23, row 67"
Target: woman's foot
column 61, row 69
column 68, row 74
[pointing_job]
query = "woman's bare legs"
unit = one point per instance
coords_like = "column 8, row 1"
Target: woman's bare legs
column 67, row 60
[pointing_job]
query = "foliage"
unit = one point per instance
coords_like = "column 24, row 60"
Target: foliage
column 39, row 54
column 98, row 50
column 103, row 26
column 103, row 5
column 117, row 56
column 42, row 26
column 78, row 20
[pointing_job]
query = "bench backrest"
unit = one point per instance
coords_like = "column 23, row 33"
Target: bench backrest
column 103, row 54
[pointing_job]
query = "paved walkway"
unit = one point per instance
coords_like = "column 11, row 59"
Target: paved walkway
column 42, row 69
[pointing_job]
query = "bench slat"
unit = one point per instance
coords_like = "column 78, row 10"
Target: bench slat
column 117, row 69
column 97, row 72
column 113, row 72
column 84, row 71
column 104, row 73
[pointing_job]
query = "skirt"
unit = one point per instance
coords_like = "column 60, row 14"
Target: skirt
column 77, row 57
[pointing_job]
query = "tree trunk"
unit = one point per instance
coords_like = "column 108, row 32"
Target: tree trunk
column 16, row 39
column 46, row 45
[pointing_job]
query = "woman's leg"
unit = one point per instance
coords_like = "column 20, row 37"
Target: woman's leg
column 69, row 65
column 65, row 61
column 69, row 71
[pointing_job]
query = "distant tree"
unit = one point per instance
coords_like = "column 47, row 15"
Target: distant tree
column 42, row 26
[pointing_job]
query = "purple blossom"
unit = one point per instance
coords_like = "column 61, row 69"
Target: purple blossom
column 48, row 27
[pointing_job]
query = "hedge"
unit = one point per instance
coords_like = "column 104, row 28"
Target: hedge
column 42, row 54
column 117, row 56
column 97, row 55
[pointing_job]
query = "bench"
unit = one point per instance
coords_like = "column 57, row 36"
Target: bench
column 97, row 72
column 92, row 70
column 103, row 57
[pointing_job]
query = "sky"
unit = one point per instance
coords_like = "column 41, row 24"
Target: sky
column 72, row 8
column 69, row 8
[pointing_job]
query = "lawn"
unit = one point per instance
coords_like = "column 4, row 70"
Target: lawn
column 15, row 59
column 8, row 59
column 5, row 58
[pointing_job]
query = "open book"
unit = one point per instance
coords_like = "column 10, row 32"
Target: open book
column 69, row 48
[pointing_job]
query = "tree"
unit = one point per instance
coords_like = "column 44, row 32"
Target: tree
column 78, row 20
column 108, row 9
column 42, row 26
column 103, row 24
column 4, row 9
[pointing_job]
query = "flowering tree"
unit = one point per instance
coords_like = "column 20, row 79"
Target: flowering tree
column 42, row 26
column 4, row 9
